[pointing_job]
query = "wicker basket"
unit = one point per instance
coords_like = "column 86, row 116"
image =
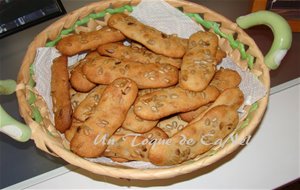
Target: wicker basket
column 33, row 109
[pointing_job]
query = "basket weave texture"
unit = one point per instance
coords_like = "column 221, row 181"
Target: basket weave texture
column 34, row 110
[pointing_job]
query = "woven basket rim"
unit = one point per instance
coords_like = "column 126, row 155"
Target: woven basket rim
column 45, row 142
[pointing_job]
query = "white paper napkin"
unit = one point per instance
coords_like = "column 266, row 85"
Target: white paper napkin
column 42, row 65
column 252, row 88
column 165, row 18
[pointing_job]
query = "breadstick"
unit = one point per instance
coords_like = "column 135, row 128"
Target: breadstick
column 129, row 145
column 76, row 98
column 190, row 115
column 78, row 79
column 232, row 97
column 117, row 159
column 198, row 65
column 88, row 105
column 171, row 125
column 225, row 79
column 104, row 70
column 84, row 110
column 220, row 55
column 135, row 53
column 154, row 133
column 199, row 137
column 91, row 138
column 137, row 124
column 165, row 102
column 158, row 42
column 60, row 91
column 77, row 43
column 69, row 134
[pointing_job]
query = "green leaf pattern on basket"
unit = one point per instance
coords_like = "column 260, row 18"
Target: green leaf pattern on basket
column 86, row 19
column 235, row 44
column 36, row 114
column 207, row 24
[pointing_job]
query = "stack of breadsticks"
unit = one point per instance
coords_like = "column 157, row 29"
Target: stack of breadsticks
column 121, row 92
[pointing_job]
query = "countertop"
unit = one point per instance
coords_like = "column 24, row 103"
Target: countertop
column 21, row 161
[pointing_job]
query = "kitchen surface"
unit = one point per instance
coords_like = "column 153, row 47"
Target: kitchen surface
column 270, row 160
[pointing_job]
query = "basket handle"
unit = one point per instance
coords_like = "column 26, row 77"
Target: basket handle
column 280, row 28
column 9, row 125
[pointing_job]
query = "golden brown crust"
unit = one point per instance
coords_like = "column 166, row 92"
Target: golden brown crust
column 168, row 101
column 198, row 65
column 103, row 70
column 78, row 80
column 129, row 147
column 76, row 98
column 117, row 159
column 137, row 124
column 158, row 42
column 216, row 124
column 225, row 79
column 220, row 55
column 189, row 116
column 96, row 119
column 232, row 97
column 91, row 139
column 84, row 110
column 60, row 91
column 154, row 133
column 77, row 43
column 135, row 53
column 171, row 125
column 88, row 105
column 69, row 134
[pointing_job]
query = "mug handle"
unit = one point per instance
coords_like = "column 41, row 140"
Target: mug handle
column 9, row 125
column 280, row 28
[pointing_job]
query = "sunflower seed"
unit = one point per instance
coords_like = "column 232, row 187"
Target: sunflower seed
column 173, row 96
column 110, row 50
column 154, row 109
column 151, row 42
column 207, row 122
